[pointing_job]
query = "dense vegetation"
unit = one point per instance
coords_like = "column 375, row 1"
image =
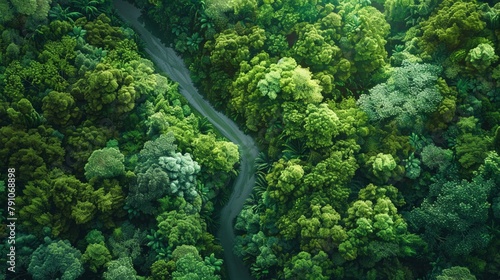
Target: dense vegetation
column 378, row 121
column 115, row 175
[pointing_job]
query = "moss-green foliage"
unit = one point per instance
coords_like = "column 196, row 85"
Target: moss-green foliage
column 101, row 34
column 471, row 144
column 32, row 151
column 59, row 108
column 452, row 22
column 481, row 57
column 224, row 155
column 96, row 256
column 375, row 229
column 105, row 163
column 61, row 202
column 190, row 266
column 303, row 266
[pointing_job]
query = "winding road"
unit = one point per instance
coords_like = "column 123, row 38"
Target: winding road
column 173, row 66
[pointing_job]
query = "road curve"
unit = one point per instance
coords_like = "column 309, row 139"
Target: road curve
column 169, row 62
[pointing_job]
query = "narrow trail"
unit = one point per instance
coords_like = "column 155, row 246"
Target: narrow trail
column 169, row 62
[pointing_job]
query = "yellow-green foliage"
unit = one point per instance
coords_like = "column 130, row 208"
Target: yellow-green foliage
column 453, row 22
column 481, row 57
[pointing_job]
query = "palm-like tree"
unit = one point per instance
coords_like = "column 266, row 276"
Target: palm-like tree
column 294, row 149
column 63, row 14
column 263, row 163
column 87, row 7
column 204, row 126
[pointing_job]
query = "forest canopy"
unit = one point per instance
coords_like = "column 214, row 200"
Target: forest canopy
column 377, row 124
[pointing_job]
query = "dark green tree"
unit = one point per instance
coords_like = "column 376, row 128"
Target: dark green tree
column 453, row 217
column 55, row 260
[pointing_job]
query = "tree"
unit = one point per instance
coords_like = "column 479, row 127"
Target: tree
column 408, row 95
column 96, row 256
column 6, row 12
column 453, row 217
column 260, row 249
column 398, row 11
column 230, row 48
column 182, row 170
column 105, row 163
column 490, row 169
column 321, row 125
column 215, row 155
column 247, row 220
column 162, row 269
column 190, row 267
column 456, row 273
column 179, row 228
column 374, row 228
column 62, row 202
column 94, row 237
column 365, row 29
column 285, row 180
column 127, row 241
column 153, row 150
column 321, row 231
column 37, row 9
column 261, row 87
column 82, row 141
column 152, row 179
column 472, row 145
column 55, row 260
column 302, row 266
column 59, row 108
column 106, row 89
column 314, row 46
column 332, row 173
column 481, row 57
column 24, row 115
column 382, row 166
column 30, row 151
column 315, row 125
column 119, row 269
column 436, row 157
column 101, row 34
column 453, row 21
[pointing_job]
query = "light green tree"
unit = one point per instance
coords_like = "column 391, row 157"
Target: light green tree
column 105, row 163
column 456, row 273
column 374, row 228
column 303, row 266
column 120, row 269
column 215, row 155
column 481, row 57
column 96, row 256
column 321, row 125
column 409, row 94
column 321, row 231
